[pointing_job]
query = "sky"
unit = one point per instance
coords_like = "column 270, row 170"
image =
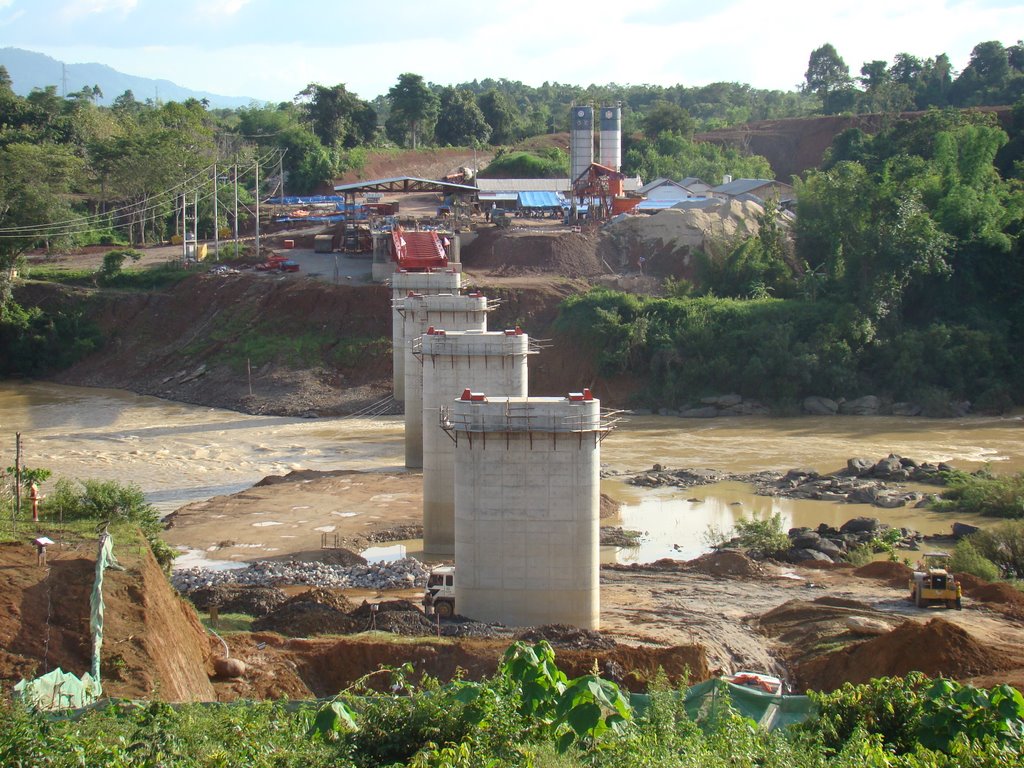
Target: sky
column 270, row 50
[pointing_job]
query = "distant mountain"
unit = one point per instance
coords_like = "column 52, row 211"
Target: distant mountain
column 29, row 70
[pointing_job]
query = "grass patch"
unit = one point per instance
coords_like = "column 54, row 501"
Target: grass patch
column 229, row 622
column 129, row 543
column 148, row 279
column 984, row 494
column 243, row 341
column 830, row 646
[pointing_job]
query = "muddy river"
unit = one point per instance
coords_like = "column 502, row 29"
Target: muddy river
column 180, row 453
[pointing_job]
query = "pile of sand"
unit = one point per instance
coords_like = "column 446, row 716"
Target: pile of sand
column 726, row 562
column 517, row 253
column 896, row 575
column 936, row 648
column 693, row 228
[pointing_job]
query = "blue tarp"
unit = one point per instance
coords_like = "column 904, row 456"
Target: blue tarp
column 304, row 199
column 540, row 200
column 333, row 219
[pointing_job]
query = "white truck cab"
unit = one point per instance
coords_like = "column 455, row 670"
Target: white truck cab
column 439, row 595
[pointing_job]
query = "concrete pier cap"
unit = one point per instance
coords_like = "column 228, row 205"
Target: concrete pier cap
column 527, row 486
column 402, row 283
column 419, row 312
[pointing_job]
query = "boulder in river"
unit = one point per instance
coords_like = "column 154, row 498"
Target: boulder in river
column 820, row 406
column 868, row 405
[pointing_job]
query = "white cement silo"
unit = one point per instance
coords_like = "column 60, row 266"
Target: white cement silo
column 494, row 361
column 526, row 508
column 457, row 313
column 447, row 281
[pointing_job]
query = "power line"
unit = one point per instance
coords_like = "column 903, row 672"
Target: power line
column 130, row 212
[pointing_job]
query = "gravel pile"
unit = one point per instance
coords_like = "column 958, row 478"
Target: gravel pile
column 308, row 619
column 565, row 636
column 399, row 574
column 230, row 598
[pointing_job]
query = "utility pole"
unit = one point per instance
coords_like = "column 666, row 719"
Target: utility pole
column 236, row 206
column 195, row 225
column 184, row 227
column 257, row 209
column 216, row 219
column 280, row 171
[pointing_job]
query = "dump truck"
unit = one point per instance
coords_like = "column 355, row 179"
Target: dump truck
column 439, row 594
column 501, row 218
column 932, row 582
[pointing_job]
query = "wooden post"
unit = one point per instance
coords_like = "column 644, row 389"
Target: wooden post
column 17, row 475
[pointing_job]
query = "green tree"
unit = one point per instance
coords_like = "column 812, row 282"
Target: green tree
column 460, row 122
column 413, row 108
column 126, row 104
column 113, row 262
column 500, row 115
column 307, row 162
column 984, row 78
column 827, row 75
column 337, row 117
column 874, row 74
column 666, row 117
column 35, row 181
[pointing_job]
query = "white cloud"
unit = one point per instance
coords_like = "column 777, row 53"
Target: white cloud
column 77, row 9
column 219, row 8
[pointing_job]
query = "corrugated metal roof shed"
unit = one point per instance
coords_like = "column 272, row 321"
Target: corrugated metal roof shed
column 741, row 186
column 486, row 197
column 659, row 182
column 629, row 184
column 522, row 185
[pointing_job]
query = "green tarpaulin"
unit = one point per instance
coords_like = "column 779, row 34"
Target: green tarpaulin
column 768, row 710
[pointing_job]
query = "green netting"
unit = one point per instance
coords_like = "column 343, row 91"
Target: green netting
column 57, row 690
column 705, row 700
column 63, row 690
column 104, row 559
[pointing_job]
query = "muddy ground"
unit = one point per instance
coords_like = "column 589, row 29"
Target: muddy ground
column 741, row 614
column 719, row 613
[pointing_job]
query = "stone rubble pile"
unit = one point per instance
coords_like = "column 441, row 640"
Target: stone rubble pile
column 398, row 574
column 828, row 544
column 862, row 482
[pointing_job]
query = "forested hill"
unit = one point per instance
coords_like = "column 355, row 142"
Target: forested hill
column 29, row 69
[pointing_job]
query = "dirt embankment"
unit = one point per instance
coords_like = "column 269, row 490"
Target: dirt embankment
column 313, row 348
column 154, row 645
column 303, row 346
column 795, row 145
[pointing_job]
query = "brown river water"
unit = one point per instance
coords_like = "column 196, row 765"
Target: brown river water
column 179, row 453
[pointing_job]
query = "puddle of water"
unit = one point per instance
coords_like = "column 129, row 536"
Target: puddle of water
column 677, row 522
column 189, row 558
